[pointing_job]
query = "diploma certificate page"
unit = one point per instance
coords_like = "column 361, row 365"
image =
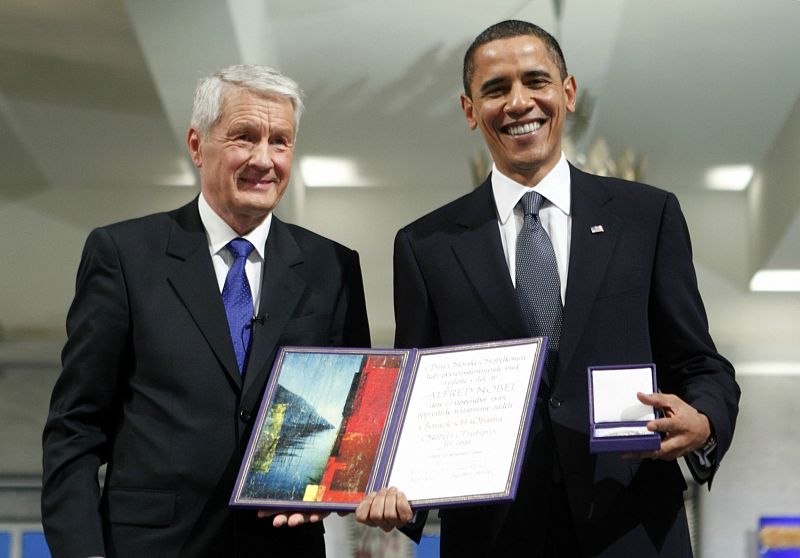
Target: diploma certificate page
column 464, row 423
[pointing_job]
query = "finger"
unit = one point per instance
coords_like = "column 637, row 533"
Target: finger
column 674, row 447
column 389, row 520
column 653, row 399
column 404, row 510
column 268, row 513
column 377, row 507
column 317, row 516
column 666, row 401
column 390, row 505
column 397, row 510
column 670, row 425
column 280, row 520
column 363, row 509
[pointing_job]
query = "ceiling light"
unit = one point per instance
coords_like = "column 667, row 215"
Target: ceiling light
column 733, row 178
column 778, row 368
column 776, row 280
column 321, row 172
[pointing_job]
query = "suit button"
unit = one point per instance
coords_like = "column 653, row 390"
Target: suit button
column 555, row 403
column 244, row 415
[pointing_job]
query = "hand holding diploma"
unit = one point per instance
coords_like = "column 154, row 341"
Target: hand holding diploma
column 388, row 508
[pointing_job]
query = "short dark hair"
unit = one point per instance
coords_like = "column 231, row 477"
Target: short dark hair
column 506, row 30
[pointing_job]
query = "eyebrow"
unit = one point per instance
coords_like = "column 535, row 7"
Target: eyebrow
column 486, row 85
column 241, row 125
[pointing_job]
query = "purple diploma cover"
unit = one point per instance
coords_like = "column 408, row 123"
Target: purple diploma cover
column 447, row 426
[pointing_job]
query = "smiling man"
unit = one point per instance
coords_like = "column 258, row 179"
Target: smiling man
column 518, row 93
column 601, row 266
column 175, row 324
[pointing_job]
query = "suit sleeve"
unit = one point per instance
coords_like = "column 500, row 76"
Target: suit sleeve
column 83, row 403
column 415, row 326
column 351, row 309
column 688, row 362
column 414, row 315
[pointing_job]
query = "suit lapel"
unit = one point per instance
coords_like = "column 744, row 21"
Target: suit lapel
column 196, row 284
column 590, row 252
column 281, row 289
column 480, row 252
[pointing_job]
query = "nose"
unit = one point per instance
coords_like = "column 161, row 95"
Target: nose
column 520, row 100
column 261, row 156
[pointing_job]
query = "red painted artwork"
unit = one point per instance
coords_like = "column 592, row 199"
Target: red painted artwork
column 353, row 455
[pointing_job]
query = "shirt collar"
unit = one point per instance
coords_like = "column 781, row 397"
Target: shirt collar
column 555, row 187
column 219, row 233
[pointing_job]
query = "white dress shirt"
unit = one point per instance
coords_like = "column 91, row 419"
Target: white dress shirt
column 219, row 233
column 554, row 215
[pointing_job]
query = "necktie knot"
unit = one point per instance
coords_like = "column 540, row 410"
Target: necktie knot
column 240, row 248
column 531, row 202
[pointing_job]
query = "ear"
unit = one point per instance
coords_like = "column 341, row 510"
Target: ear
column 193, row 142
column 466, row 106
column 571, row 92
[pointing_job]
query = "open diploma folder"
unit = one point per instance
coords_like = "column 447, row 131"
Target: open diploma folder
column 447, row 426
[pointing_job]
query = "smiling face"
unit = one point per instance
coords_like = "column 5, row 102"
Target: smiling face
column 519, row 102
column 245, row 158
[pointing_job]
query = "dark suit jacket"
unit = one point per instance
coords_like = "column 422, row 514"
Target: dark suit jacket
column 151, row 387
column 631, row 298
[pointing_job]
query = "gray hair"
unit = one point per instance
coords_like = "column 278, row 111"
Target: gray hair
column 210, row 92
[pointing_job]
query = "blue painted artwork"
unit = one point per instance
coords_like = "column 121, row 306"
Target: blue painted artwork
column 302, row 425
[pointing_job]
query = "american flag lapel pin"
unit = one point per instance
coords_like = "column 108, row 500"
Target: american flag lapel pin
column 597, row 229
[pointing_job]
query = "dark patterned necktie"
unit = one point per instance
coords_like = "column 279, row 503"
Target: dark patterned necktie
column 537, row 282
column 238, row 300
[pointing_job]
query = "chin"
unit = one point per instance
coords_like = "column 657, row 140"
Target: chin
column 262, row 198
column 262, row 208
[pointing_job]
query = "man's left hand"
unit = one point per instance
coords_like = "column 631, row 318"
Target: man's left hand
column 292, row 519
column 388, row 508
column 685, row 429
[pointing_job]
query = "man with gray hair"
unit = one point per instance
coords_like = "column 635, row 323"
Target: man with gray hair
column 175, row 324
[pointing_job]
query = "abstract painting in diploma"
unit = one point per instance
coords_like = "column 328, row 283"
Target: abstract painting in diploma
column 319, row 437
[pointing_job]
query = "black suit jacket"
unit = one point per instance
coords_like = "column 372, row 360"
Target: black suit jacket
column 150, row 386
column 631, row 297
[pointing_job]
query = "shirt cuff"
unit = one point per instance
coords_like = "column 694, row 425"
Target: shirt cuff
column 704, row 454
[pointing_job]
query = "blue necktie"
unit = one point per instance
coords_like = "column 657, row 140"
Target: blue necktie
column 238, row 300
column 537, row 282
